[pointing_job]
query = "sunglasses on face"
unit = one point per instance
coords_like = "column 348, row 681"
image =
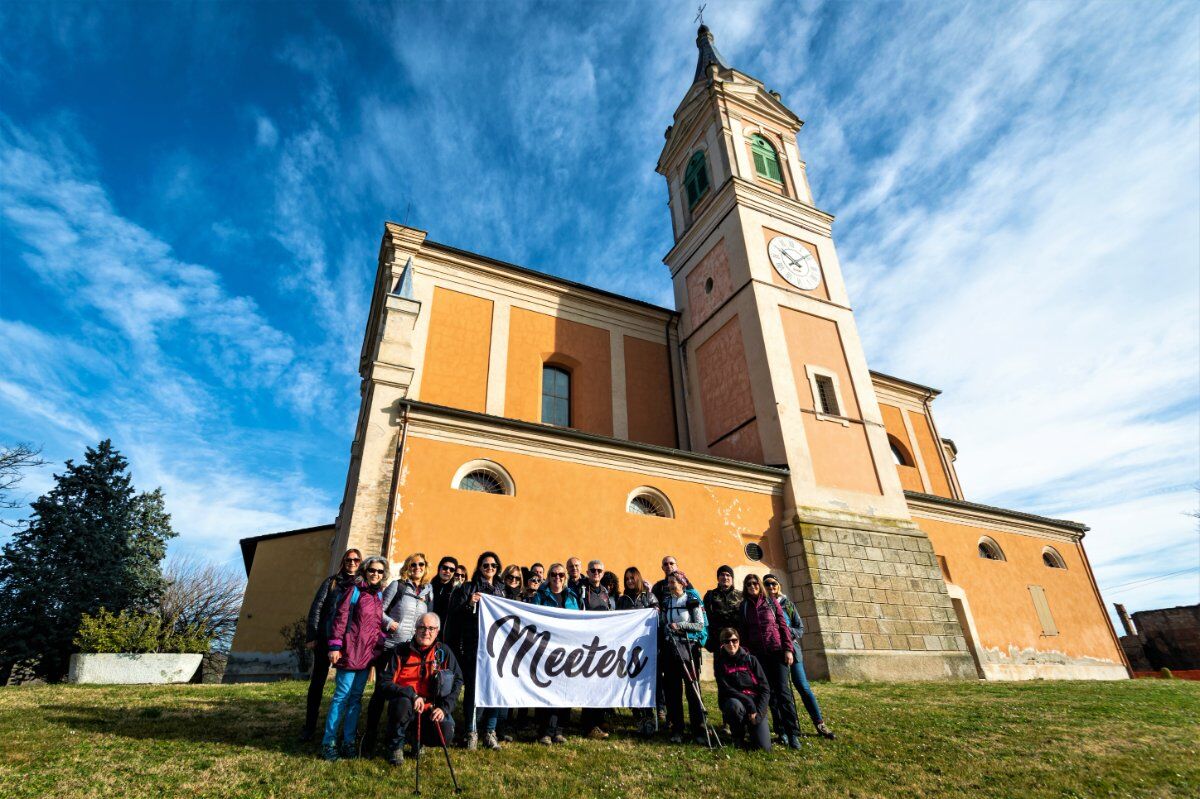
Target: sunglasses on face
column 771, row 585
column 513, row 577
column 416, row 565
column 374, row 571
column 352, row 560
column 729, row 641
column 488, row 566
column 595, row 571
column 425, row 627
column 446, row 568
column 558, row 575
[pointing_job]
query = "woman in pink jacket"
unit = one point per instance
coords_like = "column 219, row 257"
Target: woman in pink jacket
column 357, row 638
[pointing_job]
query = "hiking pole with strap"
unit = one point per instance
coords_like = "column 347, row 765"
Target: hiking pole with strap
column 446, row 752
column 692, row 678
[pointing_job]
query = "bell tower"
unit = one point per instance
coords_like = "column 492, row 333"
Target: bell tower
column 775, row 373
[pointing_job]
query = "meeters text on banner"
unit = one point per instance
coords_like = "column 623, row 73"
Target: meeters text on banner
column 535, row 656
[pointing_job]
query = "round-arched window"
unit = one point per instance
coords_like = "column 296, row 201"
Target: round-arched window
column 989, row 549
column 1052, row 559
column 695, row 179
column 487, row 477
column 647, row 501
column 900, row 455
column 766, row 161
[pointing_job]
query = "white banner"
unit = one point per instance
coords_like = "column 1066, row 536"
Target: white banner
column 534, row 656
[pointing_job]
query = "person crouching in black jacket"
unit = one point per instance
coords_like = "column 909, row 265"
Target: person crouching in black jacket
column 742, row 692
column 421, row 677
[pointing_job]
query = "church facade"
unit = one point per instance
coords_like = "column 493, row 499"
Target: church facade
column 511, row 410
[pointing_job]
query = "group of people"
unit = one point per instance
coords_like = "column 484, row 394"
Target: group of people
column 420, row 634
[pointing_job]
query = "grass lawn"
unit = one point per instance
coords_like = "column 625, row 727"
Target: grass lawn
column 1139, row 738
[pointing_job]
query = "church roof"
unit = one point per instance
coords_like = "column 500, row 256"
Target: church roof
column 708, row 53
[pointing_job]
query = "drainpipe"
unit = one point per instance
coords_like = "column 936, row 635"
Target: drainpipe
column 937, row 444
column 671, row 377
column 396, row 463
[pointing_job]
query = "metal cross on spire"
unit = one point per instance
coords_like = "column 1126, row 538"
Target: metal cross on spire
column 700, row 13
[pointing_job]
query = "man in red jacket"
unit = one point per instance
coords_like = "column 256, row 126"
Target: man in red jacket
column 422, row 676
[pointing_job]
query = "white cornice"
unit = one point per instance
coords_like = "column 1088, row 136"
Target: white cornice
column 998, row 519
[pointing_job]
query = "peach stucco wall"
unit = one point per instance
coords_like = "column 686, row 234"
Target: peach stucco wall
column 998, row 591
column 893, row 422
column 725, row 393
column 939, row 484
column 841, row 455
column 280, row 588
column 648, row 392
column 713, row 266
column 563, row 508
column 535, row 339
column 456, row 355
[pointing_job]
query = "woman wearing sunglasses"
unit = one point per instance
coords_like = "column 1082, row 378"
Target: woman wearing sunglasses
column 318, row 629
column 742, row 692
column 799, row 679
column 766, row 634
column 511, row 583
column 404, row 601
column 353, row 646
column 464, row 641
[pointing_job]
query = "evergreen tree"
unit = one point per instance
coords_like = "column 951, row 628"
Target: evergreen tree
column 91, row 542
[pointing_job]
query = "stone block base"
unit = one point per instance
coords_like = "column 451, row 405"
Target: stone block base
column 261, row 667
column 891, row 666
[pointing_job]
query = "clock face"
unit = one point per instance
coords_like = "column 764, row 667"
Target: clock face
column 794, row 262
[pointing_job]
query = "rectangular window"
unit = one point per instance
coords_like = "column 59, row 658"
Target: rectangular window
column 1043, row 610
column 556, row 396
column 827, row 396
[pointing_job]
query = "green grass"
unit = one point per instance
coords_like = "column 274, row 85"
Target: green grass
column 1042, row 739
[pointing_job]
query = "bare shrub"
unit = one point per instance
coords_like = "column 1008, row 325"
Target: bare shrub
column 205, row 594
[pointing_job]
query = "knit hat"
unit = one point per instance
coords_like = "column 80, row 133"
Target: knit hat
column 723, row 569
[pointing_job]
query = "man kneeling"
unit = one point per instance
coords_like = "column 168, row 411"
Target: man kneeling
column 421, row 677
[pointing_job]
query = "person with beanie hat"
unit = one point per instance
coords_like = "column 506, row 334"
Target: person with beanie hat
column 722, row 605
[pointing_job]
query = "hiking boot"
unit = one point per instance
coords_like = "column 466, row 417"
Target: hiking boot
column 825, row 732
column 472, row 740
column 396, row 756
column 545, row 740
column 507, row 737
column 676, row 738
column 306, row 735
column 329, row 752
column 348, row 750
column 367, row 751
column 597, row 734
column 490, row 741
column 559, row 738
column 701, row 739
column 793, row 742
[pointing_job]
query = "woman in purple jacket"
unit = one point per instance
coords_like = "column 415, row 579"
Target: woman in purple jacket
column 765, row 633
column 357, row 637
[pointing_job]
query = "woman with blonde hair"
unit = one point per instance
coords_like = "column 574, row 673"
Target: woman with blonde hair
column 511, row 582
column 404, row 601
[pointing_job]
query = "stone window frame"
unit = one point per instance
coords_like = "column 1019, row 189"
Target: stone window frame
column 1051, row 554
column 813, row 373
column 655, row 497
column 497, row 471
column 986, row 541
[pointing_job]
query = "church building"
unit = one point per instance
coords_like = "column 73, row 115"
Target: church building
column 508, row 409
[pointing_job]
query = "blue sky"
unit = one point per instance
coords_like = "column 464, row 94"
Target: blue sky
column 193, row 196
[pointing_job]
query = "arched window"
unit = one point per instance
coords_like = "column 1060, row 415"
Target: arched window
column 695, row 179
column 647, row 501
column 556, row 396
column 900, row 455
column 487, row 477
column 989, row 549
column 1052, row 559
column 766, row 161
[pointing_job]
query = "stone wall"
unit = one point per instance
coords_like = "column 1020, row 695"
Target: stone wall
column 874, row 602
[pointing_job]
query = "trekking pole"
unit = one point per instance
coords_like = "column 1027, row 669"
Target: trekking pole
column 418, row 754
column 710, row 732
column 446, row 752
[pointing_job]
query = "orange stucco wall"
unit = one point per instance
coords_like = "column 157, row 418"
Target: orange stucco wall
column 893, row 423
column 535, row 339
column 998, row 591
column 456, row 355
column 280, row 587
column 648, row 392
column 725, row 393
column 939, row 484
column 841, row 455
column 563, row 508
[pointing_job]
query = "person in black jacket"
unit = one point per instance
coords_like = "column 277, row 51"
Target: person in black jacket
column 443, row 585
column 463, row 637
column 317, row 628
column 742, row 692
column 722, row 605
column 421, row 676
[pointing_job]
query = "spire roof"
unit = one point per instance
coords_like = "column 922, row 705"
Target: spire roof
column 708, row 53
